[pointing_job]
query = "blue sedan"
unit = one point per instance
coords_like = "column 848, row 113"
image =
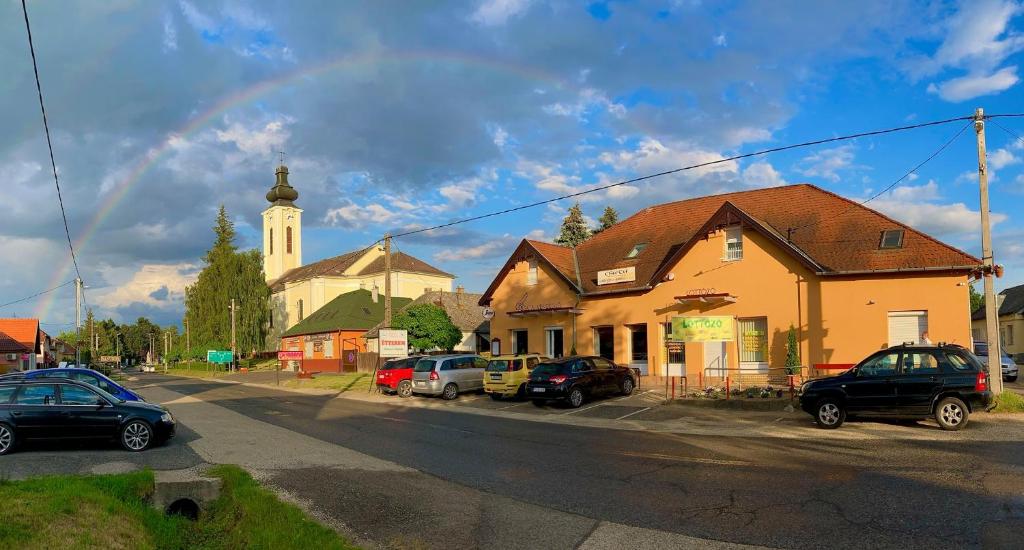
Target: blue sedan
column 89, row 376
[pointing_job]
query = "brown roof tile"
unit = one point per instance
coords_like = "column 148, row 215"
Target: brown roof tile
column 337, row 266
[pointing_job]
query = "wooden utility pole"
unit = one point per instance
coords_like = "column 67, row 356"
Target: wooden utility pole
column 387, row 280
column 233, row 350
column 92, row 335
column 995, row 352
column 78, row 322
column 188, row 340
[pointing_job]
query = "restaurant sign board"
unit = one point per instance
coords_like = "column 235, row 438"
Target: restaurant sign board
column 619, row 275
column 393, row 342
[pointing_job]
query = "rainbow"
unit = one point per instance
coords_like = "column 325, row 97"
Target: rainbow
column 152, row 157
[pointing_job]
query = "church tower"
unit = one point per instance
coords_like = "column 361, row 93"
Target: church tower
column 282, row 228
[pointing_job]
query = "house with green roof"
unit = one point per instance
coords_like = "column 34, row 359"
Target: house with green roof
column 332, row 338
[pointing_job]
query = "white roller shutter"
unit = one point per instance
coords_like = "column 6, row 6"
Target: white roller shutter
column 907, row 326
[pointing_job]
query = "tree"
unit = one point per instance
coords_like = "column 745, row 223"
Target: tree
column 227, row 274
column 609, row 218
column 977, row 299
column 792, row 352
column 574, row 229
column 429, row 327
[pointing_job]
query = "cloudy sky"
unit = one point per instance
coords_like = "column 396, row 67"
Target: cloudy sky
column 398, row 115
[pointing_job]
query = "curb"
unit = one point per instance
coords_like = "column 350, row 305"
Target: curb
column 740, row 404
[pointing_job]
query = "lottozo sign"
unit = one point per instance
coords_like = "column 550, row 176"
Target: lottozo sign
column 714, row 328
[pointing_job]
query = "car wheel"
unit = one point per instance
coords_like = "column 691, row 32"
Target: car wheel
column 405, row 388
column 521, row 392
column 450, row 391
column 951, row 414
column 575, row 398
column 136, row 436
column 495, row 396
column 830, row 414
column 538, row 402
column 627, row 386
column 6, row 439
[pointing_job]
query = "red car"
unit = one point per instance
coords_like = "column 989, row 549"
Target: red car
column 395, row 376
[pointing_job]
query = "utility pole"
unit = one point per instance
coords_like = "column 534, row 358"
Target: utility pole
column 995, row 353
column 387, row 280
column 92, row 335
column 233, row 350
column 188, row 341
column 78, row 321
column 152, row 351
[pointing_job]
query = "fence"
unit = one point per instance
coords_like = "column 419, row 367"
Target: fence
column 366, row 361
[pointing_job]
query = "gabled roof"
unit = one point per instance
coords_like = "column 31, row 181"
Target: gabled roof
column 560, row 258
column 336, row 267
column 1013, row 303
column 829, row 234
column 463, row 308
column 25, row 332
column 354, row 310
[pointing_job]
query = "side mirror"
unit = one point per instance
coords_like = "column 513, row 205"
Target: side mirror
column 101, row 404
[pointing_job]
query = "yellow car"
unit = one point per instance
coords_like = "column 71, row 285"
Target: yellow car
column 506, row 375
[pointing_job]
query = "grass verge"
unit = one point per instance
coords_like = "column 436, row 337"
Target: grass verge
column 112, row 512
column 340, row 382
column 1009, row 402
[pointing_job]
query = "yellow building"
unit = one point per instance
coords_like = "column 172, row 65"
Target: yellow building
column 1011, row 321
column 298, row 290
column 847, row 279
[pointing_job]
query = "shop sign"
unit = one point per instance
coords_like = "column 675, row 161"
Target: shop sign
column 620, row 275
column 712, row 328
column 317, row 337
column 488, row 313
column 393, row 342
column 289, row 355
column 521, row 305
column 110, row 359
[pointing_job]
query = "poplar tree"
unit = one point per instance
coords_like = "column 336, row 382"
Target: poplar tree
column 574, row 229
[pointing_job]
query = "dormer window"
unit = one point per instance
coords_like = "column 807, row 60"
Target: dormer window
column 891, row 238
column 733, row 243
column 636, row 250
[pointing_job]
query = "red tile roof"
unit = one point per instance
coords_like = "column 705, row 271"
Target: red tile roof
column 337, row 266
column 830, row 234
column 25, row 332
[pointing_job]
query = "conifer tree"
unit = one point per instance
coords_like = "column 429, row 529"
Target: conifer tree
column 574, row 229
column 609, row 218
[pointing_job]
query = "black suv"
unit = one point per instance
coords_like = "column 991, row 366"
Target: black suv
column 909, row 381
column 574, row 379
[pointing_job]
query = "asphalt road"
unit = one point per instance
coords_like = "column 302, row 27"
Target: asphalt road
column 787, row 493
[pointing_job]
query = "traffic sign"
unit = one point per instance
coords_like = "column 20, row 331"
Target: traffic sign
column 219, row 356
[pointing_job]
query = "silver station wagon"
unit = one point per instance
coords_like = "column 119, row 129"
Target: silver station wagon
column 448, row 375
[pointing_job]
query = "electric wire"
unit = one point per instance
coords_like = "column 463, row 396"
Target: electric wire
column 49, row 143
column 1013, row 134
column 19, row 300
column 686, row 168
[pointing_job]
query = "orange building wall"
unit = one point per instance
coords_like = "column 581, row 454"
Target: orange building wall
column 839, row 320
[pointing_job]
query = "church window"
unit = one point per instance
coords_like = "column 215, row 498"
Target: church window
column 300, row 310
column 271, row 241
column 288, row 239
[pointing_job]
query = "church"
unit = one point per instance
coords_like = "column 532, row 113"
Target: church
column 297, row 290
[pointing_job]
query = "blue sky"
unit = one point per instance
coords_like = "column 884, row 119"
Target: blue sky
column 398, row 115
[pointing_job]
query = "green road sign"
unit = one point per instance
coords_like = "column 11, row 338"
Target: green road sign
column 218, row 356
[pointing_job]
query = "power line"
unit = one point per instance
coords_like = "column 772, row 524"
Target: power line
column 1008, row 131
column 685, row 168
column 19, row 300
column 49, row 143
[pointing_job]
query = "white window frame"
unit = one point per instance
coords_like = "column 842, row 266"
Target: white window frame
column 752, row 365
column 531, row 271
column 549, row 340
column 733, row 235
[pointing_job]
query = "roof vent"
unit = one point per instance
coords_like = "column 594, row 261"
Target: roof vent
column 891, row 238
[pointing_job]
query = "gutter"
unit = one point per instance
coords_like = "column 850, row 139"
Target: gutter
column 900, row 270
column 618, row 290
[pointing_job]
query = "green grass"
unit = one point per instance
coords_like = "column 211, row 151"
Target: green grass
column 1009, row 402
column 112, row 512
column 340, row 382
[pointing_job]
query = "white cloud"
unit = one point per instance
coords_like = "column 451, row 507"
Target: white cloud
column 910, row 193
column 939, row 220
column 827, row 163
column 975, row 85
column 170, row 34
column 496, row 246
column 497, row 12
column 587, row 101
column 158, row 285
column 356, row 216
column 261, row 141
column 720, row 40
column 1001, row 158
column 197, row 19
column 499, row 136
column 762, row 174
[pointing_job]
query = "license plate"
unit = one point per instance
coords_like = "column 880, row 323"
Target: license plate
column 419, row 383
column 495, row 377
column 538, row 390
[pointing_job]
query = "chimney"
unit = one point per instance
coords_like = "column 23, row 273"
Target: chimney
column 374, row 294
column 458, row 294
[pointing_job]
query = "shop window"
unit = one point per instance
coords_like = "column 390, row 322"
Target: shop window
column 636, row 250
column 604, row 342
column 555, row 342
column 637, row 344
column 531, row 272
column 753, row 341
column 734, row 243
column 891, row 238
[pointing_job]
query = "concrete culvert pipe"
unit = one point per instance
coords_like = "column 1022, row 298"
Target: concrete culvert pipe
column 184, row 507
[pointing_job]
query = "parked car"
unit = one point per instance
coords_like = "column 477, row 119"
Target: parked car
column 448, row 375
column 946, row 382
column 506, row 375
column 1007, row 365
column 576, row 379
column 89, row 376
column 65, row 409
column 395, row 375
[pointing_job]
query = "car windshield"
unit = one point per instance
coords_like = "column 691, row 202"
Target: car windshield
column 547, row 369
column 497, row 365
column 424, row 365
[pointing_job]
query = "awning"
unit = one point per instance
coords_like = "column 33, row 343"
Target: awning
column 716, row 298
column 544, row 311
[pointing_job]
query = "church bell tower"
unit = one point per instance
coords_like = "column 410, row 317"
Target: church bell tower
column 282, row 228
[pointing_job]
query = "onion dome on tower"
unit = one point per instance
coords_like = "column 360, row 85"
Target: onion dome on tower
column 282, row 194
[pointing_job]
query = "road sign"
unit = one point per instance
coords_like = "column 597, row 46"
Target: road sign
column 711, row 328
column 289, row 355
column 219, row 356
column 393, row 342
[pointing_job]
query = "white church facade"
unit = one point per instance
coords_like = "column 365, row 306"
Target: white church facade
column 298, row 290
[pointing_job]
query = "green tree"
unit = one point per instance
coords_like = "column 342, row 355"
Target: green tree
column 792, row 352
column 574, row 228
column 429, row 327
column 609, row 218
column 977, row 299
column 227, row 274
